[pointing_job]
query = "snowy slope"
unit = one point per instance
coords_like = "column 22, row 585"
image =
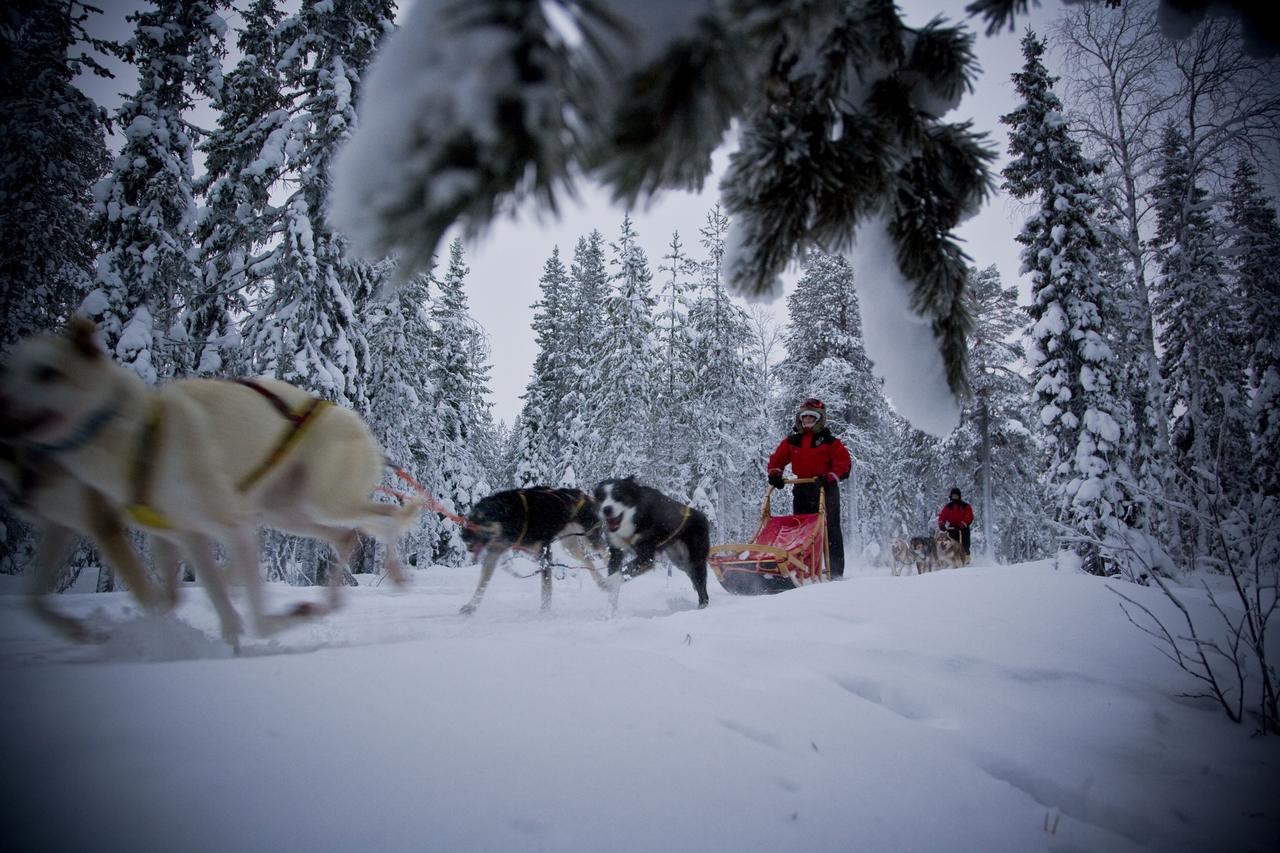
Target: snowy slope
column 965, row 710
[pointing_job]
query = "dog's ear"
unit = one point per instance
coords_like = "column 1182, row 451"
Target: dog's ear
column 83, row 334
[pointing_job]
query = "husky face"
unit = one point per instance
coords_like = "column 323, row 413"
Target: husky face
column 52, row 383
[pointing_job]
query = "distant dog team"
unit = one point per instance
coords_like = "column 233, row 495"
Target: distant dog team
column 926, row 553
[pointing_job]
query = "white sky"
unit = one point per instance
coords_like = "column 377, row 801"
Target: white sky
column 507, row 261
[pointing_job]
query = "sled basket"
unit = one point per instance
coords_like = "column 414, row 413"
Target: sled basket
column 786, row 551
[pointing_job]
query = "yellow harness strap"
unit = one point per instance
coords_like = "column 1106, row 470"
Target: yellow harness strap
column 300, row 420
column 683, row 520
column 524, row 526
column 144, row 459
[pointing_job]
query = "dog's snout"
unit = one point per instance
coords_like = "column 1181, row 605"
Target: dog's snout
column 607, row 510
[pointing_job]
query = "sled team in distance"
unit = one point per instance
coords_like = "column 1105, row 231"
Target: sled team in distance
column 947, row 548
column 88, row 450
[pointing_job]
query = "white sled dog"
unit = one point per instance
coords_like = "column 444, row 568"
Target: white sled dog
column 202, row 461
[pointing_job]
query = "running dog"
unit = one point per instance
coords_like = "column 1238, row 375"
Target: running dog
column 899, row 555
column 202, row 461
column 950, row 554
column 924, row 552
column 646, row 522
column 60, row 508
column 531, row 520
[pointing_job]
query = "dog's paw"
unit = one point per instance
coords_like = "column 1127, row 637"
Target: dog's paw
column 466, row 609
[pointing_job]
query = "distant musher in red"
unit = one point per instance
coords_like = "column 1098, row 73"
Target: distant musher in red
column 956, row 517
column 813, row 451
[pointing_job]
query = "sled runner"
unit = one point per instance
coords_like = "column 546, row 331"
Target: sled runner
column 786, row 551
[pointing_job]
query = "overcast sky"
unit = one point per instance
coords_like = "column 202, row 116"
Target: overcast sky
column 507, row 262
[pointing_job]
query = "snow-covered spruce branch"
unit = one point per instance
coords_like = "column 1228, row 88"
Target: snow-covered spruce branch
column 840, row 107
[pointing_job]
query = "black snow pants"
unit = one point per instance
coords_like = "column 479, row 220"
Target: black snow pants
column 804, row 500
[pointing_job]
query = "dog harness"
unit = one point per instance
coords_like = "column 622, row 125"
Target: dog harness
column 300, row 419
column 86, row 432
column 684, row 519
column 144, row 463
column 524, row 503
column 149, row 439
column 524, row 526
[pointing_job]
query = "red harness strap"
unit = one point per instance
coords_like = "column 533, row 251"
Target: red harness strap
column 299, row 418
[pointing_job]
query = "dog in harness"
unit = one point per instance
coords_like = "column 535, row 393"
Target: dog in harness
column 645, row 522
column 202, row 461
column 531, row 520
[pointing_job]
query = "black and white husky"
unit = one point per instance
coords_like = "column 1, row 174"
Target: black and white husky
column 646, row 522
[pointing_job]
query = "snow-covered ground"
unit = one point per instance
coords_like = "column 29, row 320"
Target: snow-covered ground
column 1009, row 708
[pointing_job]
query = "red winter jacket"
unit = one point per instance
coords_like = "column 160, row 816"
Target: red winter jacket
column 957, row 514
column 812, row 455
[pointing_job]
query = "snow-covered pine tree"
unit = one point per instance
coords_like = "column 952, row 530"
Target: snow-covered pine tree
column 589, row 290
column 625, row 370
column 725, row 463
column 1120, row 93
column 915, row 475
column 543, row 417
column 1255, row 244
column 826, row 358
column 461, row 405
column 675, row 413
column 146, row 208
column 997, row 426
column 309, row 329
column 244, row 158
column 1202, row 333
column 508, row 452
column 1139, row 383
column 1072, row 362
column 402, row 395
column 46, row 260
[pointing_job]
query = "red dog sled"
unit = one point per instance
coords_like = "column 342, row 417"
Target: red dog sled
column 786, row 551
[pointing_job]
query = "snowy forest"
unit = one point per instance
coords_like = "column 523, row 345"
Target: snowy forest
column 1123, row 406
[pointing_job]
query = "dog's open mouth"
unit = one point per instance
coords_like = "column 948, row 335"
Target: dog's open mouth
column 613, row 522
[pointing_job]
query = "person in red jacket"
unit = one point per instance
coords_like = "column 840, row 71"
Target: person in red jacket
column 812, row 451
column 956, row 517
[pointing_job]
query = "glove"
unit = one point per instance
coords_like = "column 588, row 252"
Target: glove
column 827, row 478
column 775, row 479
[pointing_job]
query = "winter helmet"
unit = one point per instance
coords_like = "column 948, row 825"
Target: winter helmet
column 814, row 407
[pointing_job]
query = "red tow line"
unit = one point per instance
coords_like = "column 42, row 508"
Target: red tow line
column 428, row 499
